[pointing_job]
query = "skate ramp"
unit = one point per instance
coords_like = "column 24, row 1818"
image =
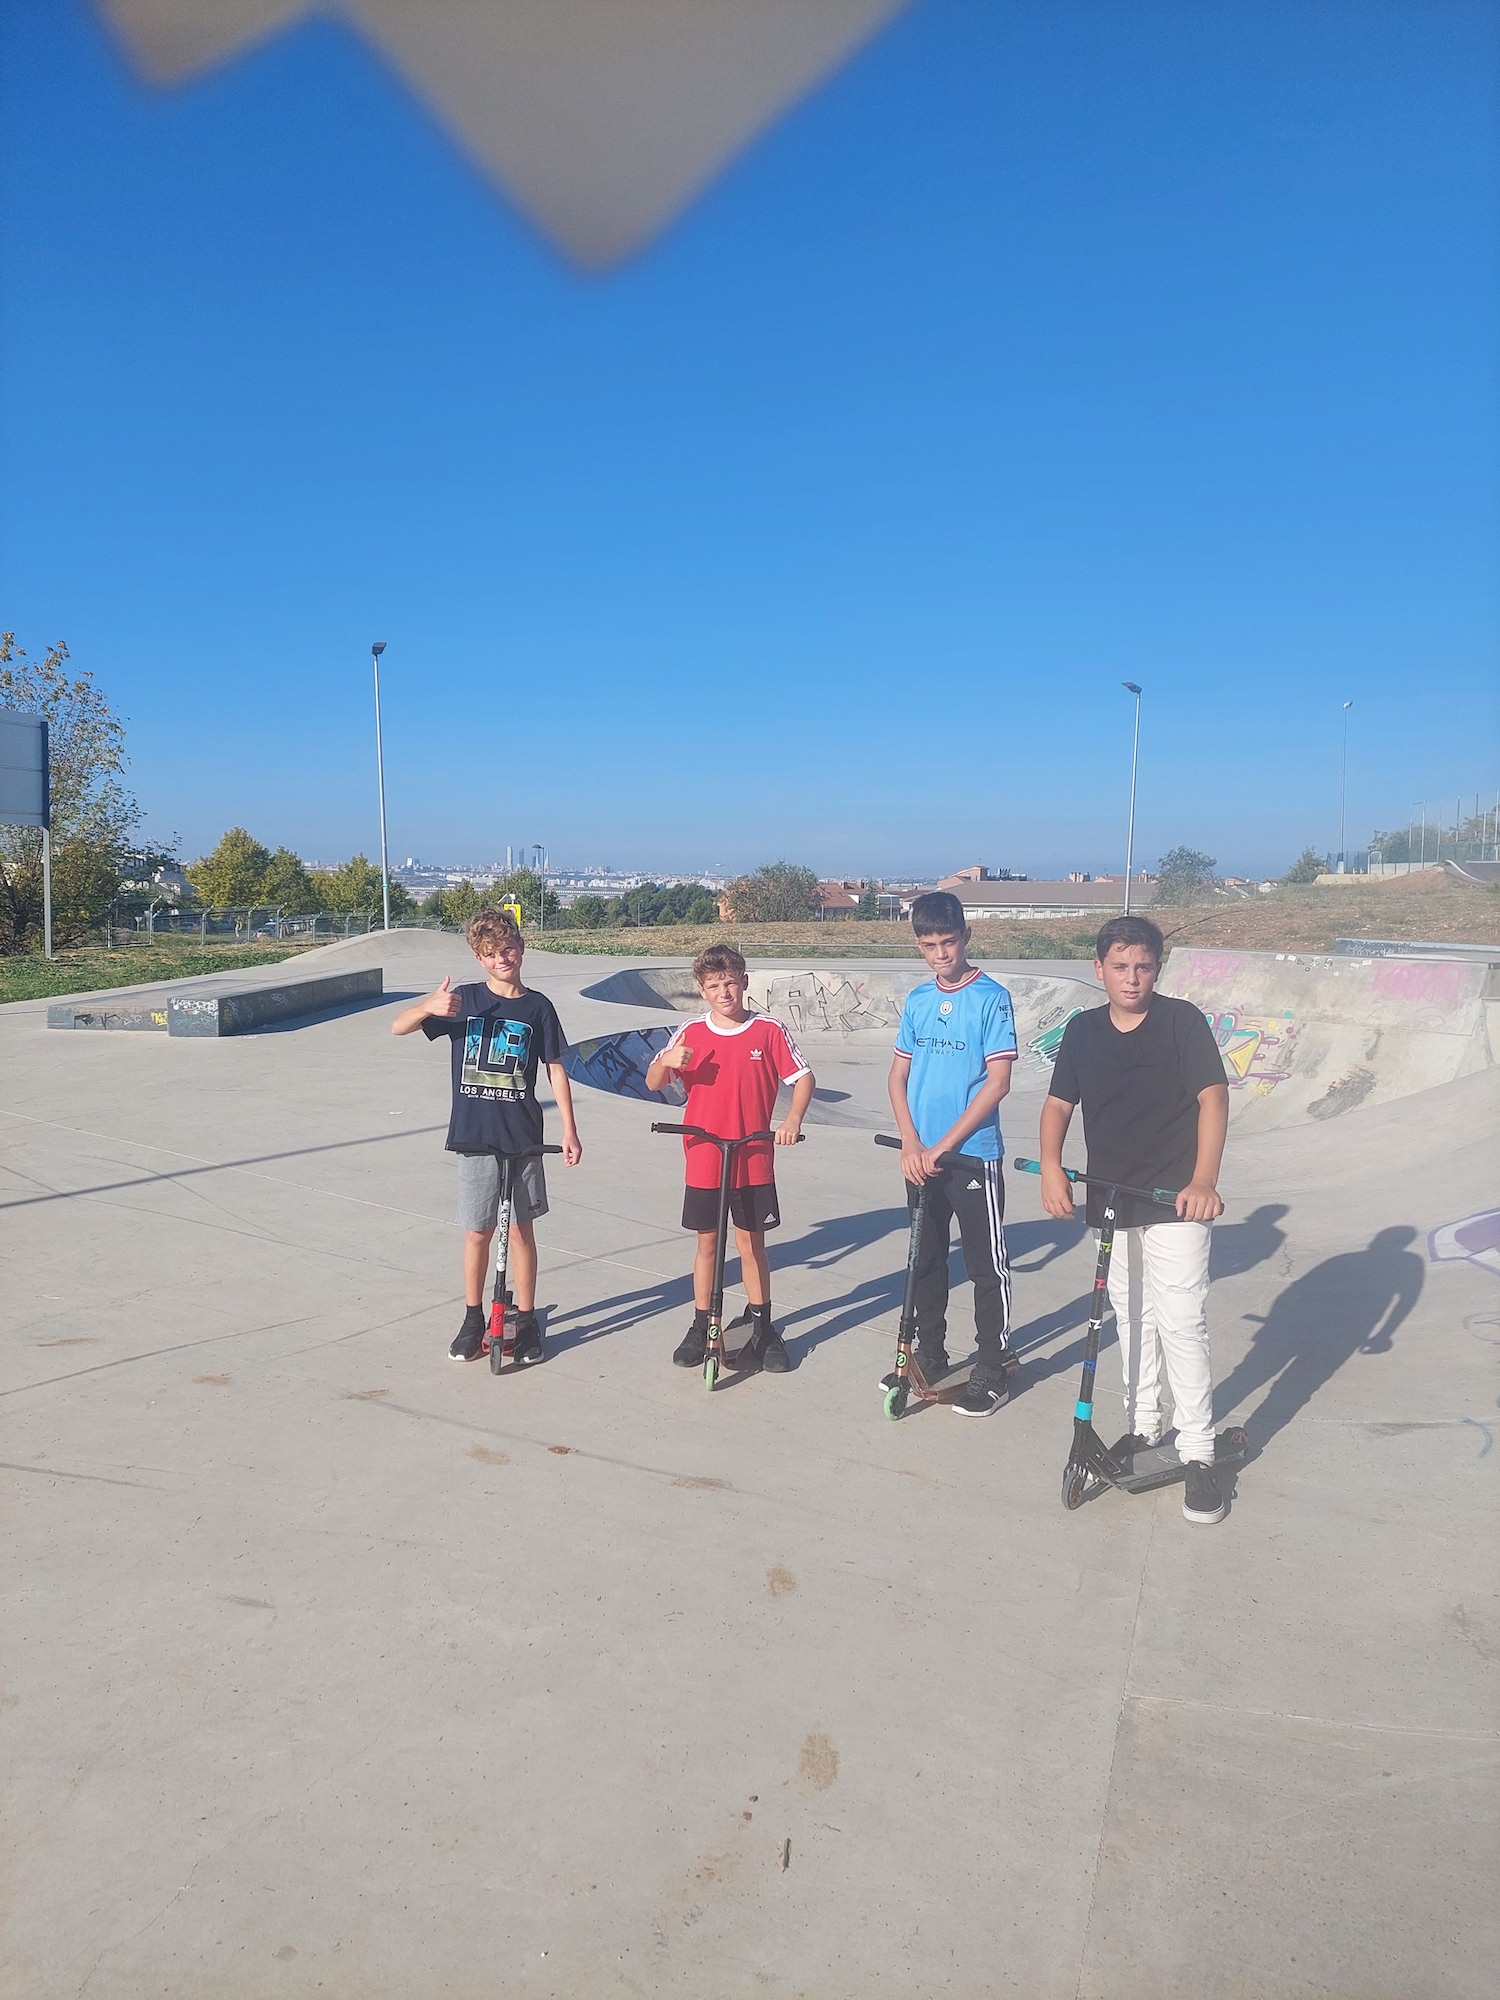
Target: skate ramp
column 859, row 1001
column 1308, row 1038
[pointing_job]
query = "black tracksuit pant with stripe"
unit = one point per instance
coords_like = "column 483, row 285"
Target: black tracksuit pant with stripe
column 976, row 1195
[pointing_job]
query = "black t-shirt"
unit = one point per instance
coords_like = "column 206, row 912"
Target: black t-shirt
column 498, row 1046
column 1139, row 1093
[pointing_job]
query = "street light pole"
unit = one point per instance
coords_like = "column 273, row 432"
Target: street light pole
column 385, row 876
column 1135, row 747
column 1343, row 784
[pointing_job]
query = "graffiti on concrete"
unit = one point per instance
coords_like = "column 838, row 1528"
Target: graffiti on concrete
column 839, row 1002
column 1044, row 1047
column 618, row 1064
column 1257, row 1050
column 1473, row 1239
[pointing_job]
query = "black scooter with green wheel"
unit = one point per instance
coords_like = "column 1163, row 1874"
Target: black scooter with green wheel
column 1091, row 1463
column 718, row 1357
column 909, row 1379
column 499, row 1345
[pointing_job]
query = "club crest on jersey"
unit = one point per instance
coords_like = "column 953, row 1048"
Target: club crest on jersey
column 945, row 1007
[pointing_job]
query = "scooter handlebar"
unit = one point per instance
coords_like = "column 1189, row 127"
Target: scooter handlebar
column 944, row 1159
column 1165, row 1197
column 697, row 1132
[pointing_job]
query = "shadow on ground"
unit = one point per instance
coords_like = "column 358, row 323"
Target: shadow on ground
column 1347, row 1305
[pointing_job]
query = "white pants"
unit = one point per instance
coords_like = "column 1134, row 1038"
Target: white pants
column 1158, row 1286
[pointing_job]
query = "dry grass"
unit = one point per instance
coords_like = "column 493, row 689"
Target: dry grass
column 1437, row 908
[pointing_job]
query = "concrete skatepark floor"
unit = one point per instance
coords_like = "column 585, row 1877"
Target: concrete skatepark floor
column 331, row 1667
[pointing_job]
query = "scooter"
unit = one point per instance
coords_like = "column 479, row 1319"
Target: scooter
column 496, row 1345
column 910, row 1381
column 718, row 1357
column 1091, row 1464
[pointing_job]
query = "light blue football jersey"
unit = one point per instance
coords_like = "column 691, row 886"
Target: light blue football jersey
column 949, row 1037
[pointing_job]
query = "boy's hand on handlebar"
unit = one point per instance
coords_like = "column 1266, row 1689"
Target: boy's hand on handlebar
column 442, row 1002
column 1199, row 1202
column 1057, row 1193
column 788, row 1131
column 919, row 1164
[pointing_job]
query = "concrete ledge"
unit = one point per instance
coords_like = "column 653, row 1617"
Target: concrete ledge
column 140, row 1017
column 260, row 1006
column 217, row 1014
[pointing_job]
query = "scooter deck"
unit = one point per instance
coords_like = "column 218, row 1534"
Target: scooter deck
column 1159, row 1465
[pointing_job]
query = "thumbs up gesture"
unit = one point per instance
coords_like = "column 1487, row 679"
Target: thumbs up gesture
column 443, row 1001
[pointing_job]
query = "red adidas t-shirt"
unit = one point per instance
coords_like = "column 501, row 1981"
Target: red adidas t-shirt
column 731, row 1086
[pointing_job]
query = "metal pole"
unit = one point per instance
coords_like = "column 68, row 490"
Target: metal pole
column 1343, row 786
column 47, row 891
column 385, row 880
column 1135, row 746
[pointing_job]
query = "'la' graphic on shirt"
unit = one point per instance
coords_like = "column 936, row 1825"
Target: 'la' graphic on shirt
column 495, row 1054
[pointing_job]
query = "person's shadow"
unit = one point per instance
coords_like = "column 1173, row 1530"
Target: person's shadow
column 1237, row 1247
column 1346, row 1305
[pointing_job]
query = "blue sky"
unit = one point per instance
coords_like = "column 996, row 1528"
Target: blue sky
column 1048, row 345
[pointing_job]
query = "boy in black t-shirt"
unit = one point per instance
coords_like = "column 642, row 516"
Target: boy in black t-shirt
column 501, row 1034
column 1148, row 1074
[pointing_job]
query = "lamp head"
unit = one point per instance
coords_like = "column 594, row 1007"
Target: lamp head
column 1131, row 685
column 1348, row 704
column 378, row 648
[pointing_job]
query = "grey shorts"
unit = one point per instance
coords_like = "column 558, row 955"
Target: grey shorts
column 479, row 1191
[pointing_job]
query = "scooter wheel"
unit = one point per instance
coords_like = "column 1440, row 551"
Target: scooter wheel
column 896, row 1401
column 1075, row 1485
column 497, row 1357
column 711, row 1371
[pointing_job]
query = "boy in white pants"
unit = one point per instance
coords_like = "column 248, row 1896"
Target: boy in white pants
column 1149, row 1076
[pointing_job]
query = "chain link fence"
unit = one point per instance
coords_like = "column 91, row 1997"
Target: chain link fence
column 258, row 921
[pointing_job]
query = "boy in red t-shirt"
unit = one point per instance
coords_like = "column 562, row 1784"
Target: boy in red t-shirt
column 733, row 1063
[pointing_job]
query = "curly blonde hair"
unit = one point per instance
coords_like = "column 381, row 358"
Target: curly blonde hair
column 487, row 929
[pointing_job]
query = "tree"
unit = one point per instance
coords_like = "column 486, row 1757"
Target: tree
column 524, row 886
column 869, row 904
column 1308, row 866
column 93, row 815
column 1183, row 875
column 354, row 886
column 779, row 892
column 287, row 884
column 588, row 913
column 230, row 877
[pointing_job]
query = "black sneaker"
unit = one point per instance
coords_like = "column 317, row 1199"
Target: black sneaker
column 764, row 1349
column 1202, row 1502
column 982, row 1395
column 527, row 1345
column 692, row 1350
column 933, row 1362
column 468, row 1342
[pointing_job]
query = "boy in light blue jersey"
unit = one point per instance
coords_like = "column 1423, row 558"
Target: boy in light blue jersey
column 954, row 1050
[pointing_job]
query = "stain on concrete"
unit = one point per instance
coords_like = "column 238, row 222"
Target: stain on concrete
column 780, row 1582
column 560, row 1450
column 818, row 1761
column 362, row 1395
column 696, row 1484
column 1343, row 1095
column 484, row 1454
column 74, row 1340
column 214, row 1381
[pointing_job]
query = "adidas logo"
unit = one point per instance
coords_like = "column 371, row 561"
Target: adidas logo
column 973, row 1184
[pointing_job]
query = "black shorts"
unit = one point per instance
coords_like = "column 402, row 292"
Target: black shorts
column 749, row 1208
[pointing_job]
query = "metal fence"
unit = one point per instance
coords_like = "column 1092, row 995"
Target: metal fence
column 263, row 921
